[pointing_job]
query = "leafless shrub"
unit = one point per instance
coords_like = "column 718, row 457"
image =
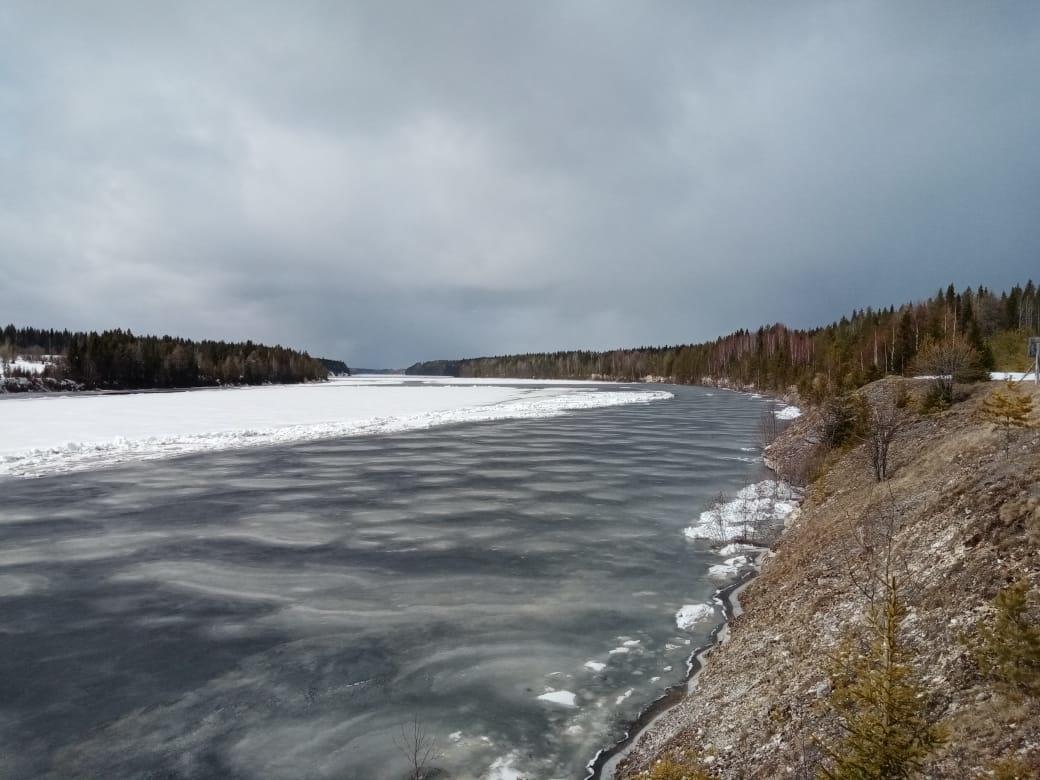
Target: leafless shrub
column 884, row 422
column 810, row 760
column 870, row 556
column 717, row 529
column 748, row 510
column 768, row 427
column 943, row 362
column 769, row 495
column 800, row 467
column 418, row 748
column 756, row 511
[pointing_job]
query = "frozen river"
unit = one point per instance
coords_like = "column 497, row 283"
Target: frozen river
column 282, row 611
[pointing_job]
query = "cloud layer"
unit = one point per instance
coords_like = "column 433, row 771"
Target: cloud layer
column 387, row 182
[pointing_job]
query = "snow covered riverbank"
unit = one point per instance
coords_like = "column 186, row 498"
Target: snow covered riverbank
column 48, row 434
column 755, row 509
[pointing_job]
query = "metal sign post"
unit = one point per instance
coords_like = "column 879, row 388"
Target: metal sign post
column 1034, row 352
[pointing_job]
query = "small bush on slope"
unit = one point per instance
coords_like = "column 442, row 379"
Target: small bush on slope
column 668, row 769
column 1013, row 769
column 844, row 420
column 947, row 361
column 933, row 400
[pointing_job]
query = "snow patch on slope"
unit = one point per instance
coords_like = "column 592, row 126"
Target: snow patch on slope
column 788, row 413
column 23, row 366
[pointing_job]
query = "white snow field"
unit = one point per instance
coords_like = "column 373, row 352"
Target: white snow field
column 1014, row 376
column 43, row 434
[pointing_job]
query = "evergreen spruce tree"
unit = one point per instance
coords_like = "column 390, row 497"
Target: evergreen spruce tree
column 887, row 734
column 1008, row 408
column 905, row 347
column 1009, row 649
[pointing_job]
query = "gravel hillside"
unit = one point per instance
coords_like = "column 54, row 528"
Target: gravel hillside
column 965, row 523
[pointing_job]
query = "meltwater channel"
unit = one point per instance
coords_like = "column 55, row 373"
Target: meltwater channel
column 283, row 612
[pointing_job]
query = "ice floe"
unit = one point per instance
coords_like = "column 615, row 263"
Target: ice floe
column 562, row 698
column 690, row 615
column 735, row 548
column 730, row 568
column 504, row 768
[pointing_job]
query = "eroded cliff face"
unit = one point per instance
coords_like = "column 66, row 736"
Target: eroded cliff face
column 965, row 523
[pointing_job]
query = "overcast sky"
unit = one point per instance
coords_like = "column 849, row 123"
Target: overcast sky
column 385, row 182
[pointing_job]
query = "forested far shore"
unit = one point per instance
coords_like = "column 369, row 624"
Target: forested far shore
column 118, row 359
column 336, row 367
column 847, row 354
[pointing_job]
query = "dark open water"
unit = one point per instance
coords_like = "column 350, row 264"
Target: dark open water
column 280, row 612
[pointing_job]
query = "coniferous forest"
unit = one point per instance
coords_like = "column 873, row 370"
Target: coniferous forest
column 119, row 359
column 859, row 348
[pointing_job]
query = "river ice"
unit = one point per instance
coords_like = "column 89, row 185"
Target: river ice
column 58, row 433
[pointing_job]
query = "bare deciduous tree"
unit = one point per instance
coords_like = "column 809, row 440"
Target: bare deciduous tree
column 945, row 361
column 768, row 427
column 884, row 422
column 418, row 748
column 770, row 494
column 717, row 519
column 748, row 510
column 869, row 553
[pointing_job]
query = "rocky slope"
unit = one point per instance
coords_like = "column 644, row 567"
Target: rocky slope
column 965, row 522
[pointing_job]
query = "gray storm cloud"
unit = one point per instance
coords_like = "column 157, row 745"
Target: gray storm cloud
column 387, row 182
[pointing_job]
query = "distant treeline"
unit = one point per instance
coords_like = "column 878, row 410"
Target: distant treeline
column 485, row 365
column 337, row 367
column 841, row 356
column 119, row 359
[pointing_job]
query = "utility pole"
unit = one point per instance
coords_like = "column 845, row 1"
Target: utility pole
column 1034, row 352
